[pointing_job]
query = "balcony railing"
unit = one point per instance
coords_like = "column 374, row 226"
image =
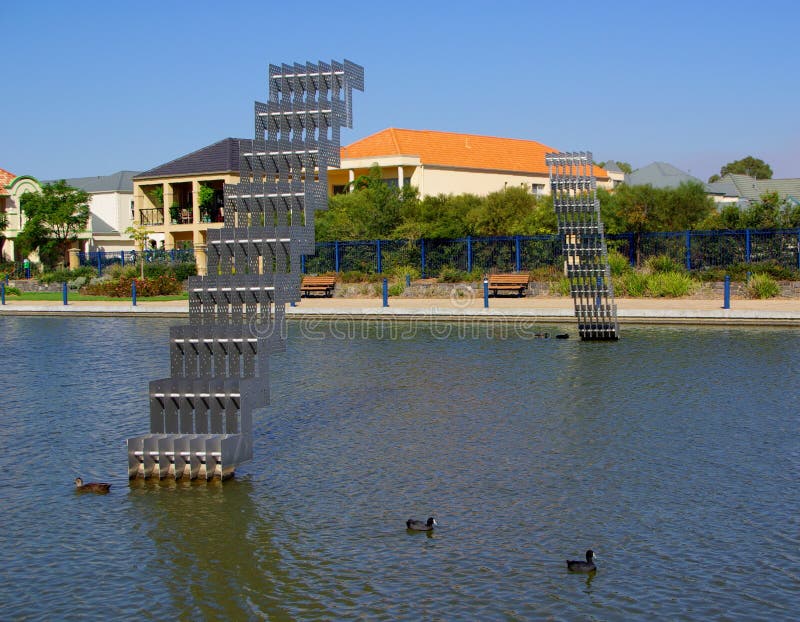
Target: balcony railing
column 151, row 217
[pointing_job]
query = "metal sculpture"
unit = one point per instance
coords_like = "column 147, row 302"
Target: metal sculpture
column 201, row 417
column 577, row 208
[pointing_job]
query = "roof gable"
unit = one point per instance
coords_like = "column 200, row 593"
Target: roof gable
column 450, row 149
column 5, row 179
column 664, row 175
column 221, row 157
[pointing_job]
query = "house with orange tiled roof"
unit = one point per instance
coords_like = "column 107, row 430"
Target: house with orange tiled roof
column 12, row 187
column 448, row 162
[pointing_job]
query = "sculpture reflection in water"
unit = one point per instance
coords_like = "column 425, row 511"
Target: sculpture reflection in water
column 201, row 417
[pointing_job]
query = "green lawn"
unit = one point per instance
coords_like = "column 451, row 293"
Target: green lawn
column 76, row 296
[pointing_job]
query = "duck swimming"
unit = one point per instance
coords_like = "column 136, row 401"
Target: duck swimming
column 418, row 525
column 563, row 336
column 91, row 486
column 580, row 566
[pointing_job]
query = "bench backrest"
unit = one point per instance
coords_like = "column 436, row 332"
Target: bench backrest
column 509, row 279
column 319, row 280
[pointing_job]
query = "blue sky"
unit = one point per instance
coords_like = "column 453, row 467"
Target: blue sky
column 91, row 88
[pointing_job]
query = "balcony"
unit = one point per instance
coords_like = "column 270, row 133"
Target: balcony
column 151, row 217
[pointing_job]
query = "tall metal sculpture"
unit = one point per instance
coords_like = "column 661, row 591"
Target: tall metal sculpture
column 577, row 208
column 201, row 417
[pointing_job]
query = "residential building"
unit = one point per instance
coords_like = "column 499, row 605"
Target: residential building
column 749, row 190
column 111, row 207
column 12, row 187
column 167, row 202
column 663, row 175
column 448, row 163
column 166, row 198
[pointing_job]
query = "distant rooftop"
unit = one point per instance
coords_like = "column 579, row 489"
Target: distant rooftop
column 663, row 175
column 450, row 149
column 121, row 181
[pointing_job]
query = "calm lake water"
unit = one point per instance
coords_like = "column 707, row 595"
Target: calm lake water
column 673, row 453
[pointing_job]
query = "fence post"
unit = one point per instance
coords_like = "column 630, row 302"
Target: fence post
column 518, row 254
column 408, row 280
column 385, row 292
column 747, row 245
column 726, row 302
column 122, row 257
column 133, row 292
column 336, row 256
column 378, row 256
column 99, row 265
column 485, row 293
column 688, row 250
column 64, row 292
column 302, row 264
column 798, row 252
column 3, row 293
column 422, row 257
column 631, row 251
column 469, row 253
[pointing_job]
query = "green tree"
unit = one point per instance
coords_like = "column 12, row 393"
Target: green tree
column 54, row 216
column 754, row 167
column 140, row 235
column 441, row 216
column 503, row 212
column 373, row 209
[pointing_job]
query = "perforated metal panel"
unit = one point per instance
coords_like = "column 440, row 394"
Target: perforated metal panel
column 574, row 189
column 218, row 363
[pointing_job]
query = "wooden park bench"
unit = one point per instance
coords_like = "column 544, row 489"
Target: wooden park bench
column 509, row 283
column 323, row 284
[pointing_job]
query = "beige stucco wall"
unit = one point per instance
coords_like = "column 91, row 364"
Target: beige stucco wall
column 174, row 234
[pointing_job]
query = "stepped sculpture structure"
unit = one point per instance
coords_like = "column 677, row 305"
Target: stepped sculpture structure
column 577, row 208
column 201, row 417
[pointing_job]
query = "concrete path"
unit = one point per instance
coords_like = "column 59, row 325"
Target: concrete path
column 783, row 311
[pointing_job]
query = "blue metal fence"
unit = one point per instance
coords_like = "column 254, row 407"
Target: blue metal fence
column 103, row 259
column 696, row 250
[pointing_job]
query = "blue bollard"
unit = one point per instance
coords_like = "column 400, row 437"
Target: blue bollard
column 133, row 292
column 727, row 300
column 3, row 293
column 385, row 292
column 485, row 293
column 64, row 292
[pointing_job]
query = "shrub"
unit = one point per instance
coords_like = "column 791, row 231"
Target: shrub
column 61, row 276
column 670, row 285
column 184, row 269
column 396, row 289
column 663, row 263
column 400, row 272
column 356, row 276
column 631, row 284
column 763, row 286
column 77, row 283
column 165, row 285
column 560, row 287
column 13, row 291
column 619, row 263
column 452, row 275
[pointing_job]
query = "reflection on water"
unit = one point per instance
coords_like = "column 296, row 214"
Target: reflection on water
column 673, row 453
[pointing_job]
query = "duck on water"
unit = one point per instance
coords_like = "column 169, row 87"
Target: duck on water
column 99, row 487
column 581, row 566
column 418, row 525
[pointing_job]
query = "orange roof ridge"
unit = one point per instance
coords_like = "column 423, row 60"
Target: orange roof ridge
column 5, row 178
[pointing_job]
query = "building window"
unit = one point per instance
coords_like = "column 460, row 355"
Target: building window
column 340, row 189
column 537, row 190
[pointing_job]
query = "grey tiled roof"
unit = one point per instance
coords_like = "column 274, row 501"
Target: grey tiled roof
column 221, row 157
column 750, row 188
column 121, row 181
column 663, row 175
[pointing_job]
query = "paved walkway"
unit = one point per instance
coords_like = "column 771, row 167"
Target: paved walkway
column 544, row 309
